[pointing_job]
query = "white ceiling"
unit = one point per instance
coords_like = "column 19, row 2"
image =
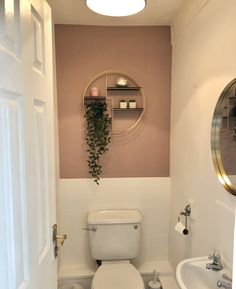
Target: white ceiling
column 157, row 12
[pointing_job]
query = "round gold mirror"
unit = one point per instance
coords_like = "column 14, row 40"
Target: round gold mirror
column 223, row 139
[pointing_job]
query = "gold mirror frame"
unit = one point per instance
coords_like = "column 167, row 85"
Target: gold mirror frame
column 215, row 140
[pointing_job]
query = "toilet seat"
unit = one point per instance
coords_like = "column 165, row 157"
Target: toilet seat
column 117, row 276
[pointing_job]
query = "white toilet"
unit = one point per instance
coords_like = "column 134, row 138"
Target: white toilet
column 114, row 237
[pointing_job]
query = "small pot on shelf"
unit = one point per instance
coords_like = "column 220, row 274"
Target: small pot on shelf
column 132, row 103
column 122, row 82
column 94, row 91
column 123, row 103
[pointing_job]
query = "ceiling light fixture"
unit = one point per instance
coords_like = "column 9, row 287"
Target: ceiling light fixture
column 116, row 8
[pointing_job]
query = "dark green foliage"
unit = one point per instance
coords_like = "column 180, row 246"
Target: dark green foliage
column 97, row 135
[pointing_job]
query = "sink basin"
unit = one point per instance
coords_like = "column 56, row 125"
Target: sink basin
column 192, row 274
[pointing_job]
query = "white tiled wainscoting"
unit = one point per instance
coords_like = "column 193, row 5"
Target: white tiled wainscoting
column 79, row 196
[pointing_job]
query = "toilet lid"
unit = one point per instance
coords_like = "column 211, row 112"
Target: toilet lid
column 117, row 276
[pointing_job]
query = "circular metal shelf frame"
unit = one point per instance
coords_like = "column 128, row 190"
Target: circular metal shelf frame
column 135, row 87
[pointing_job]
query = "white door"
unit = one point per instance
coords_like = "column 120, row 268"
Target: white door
column 27, row 179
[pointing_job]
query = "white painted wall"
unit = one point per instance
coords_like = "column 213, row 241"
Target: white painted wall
column 79, row 196
column 204, row 61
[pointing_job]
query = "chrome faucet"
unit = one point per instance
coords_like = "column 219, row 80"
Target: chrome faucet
column 216, row 264
column 224, row 284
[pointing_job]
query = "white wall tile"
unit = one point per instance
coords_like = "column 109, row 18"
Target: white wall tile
column 79, row 196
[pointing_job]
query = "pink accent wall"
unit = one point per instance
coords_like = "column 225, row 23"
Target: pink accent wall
column 143, row 53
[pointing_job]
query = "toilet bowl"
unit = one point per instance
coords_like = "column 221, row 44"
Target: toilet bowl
column 120, row 275
column 114, row 237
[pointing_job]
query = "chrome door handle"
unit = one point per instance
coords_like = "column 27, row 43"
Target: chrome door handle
column 94, row 229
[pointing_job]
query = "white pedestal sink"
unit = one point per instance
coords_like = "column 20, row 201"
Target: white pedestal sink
column 192, row 274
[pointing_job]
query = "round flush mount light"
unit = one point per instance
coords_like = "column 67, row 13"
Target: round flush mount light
column 116, row 8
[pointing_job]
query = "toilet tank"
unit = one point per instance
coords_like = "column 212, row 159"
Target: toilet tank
column 114, row 234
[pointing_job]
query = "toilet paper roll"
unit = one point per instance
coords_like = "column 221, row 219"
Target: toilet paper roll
column 180, row 228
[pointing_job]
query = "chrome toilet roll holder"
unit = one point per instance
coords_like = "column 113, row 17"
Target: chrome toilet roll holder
column 186, row 213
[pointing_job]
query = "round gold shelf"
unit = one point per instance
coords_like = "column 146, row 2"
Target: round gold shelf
column 124, row 120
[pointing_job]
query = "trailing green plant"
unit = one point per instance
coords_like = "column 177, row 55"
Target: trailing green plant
column 97, row 135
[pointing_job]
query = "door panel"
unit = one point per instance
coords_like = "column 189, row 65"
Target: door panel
column 38, row 37
column 41, row 156
column 10, row 25
column 13, row 250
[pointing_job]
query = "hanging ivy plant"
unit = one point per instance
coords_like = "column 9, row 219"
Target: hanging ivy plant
column 97, row 135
